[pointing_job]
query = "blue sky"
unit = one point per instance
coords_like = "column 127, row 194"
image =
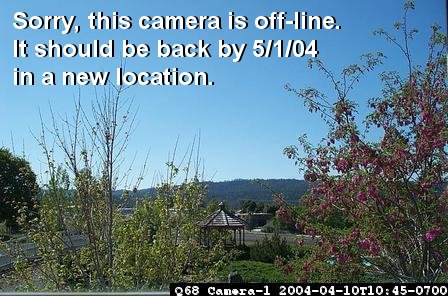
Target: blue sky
column 246, row 118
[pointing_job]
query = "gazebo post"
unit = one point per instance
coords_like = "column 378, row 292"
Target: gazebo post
column 202, row 236
column 239, row 232
column 244, row 239
column 208, row 238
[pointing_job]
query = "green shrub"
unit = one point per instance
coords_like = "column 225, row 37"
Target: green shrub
column 268, row 228
column 240, row 253
column 256, row 272
column 300, row 252
column 269, row 249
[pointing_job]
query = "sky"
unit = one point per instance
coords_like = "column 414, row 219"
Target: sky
column 245, row 119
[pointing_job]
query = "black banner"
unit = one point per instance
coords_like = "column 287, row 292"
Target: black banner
column 294, row 289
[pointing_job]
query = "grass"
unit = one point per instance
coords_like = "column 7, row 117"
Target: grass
column 256, row 272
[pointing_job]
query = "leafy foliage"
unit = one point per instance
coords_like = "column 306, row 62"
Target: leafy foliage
column 251, row 206
column 256, row 272
column 18, row 188
column 160, row 243
column 269, row 249
column 392, row 191
column 84, row 242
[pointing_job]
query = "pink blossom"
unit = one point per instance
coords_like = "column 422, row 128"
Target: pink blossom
column 343, row 258
column 333, row 249
column 285, row 216
column 310, row 176
column 302, row 279
column 309, row 163
column 356, row 179
column 377, row 170
column 311, row 231
column 318, row 190
column 306, row 266
column 425, row 185
column 278, row 200
column 358, row 214
column 278, row 262
column 354, row 138
column 374, row 249
column 364, row 244
column 442, row 208
column 367, row 180
column 391, row 218
column 345, row 241
column 341, row 164
column 288, row 269
column 373, row 193
column 432, row 234
column 355, row 233
column 281, row 213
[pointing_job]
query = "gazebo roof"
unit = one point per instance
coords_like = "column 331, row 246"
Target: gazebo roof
column 222, row 218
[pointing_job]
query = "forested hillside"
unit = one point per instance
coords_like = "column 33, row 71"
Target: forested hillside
column 258, row 190
column 235, row 191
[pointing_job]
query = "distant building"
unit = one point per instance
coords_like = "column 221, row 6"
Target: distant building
column 255, row 220
column 127, row 211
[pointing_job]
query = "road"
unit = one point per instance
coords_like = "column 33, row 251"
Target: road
column 30, row 250
column 251, row 237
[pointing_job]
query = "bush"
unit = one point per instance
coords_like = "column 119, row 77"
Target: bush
column 240, row 253
column 269, row 249
column 256, row 272
column 301, row 251
column 4, row 237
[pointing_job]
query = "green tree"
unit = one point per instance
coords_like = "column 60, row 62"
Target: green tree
column 18, row 188
column 160, row 244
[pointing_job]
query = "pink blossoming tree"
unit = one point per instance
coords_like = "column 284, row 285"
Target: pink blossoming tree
column 392, row 188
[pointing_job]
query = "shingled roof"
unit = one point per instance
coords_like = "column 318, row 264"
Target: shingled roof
column 222, row 218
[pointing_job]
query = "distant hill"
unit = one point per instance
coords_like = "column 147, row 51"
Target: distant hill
column 257, row 190
column 233, row 192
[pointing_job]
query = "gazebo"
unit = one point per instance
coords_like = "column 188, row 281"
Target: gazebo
column 221, row 220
